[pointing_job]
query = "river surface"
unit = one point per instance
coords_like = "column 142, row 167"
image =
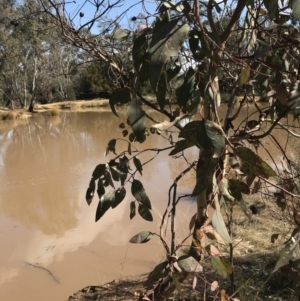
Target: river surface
column 45, row 167
column 50, row 244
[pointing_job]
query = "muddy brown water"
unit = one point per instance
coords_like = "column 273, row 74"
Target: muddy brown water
column 50, row 245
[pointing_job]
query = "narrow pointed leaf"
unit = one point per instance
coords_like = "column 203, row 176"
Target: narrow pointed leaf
column 111, row 147
column 119, row 96
column 177, row 285
column 296, row 8
column 219, row 225
column 138, row 165
column 166, row 42
column 162, row 90
column 141, row 237
column 120, row 34
column 100, row 188
column 104, row 204
column 145, row 213
column 138, row 191
column 99, row 171
column 272, row 7
column 205, row 170
column 245, row 75
column 132, row 210
column 137, row 120
column 119, row 197
column 180, row 146
column 221, row 265
column 253, row 164
column 89, row 195
column 160, row 271
column 140, row 56
column 189, row 264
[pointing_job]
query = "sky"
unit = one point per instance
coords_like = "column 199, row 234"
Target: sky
column 134, row 7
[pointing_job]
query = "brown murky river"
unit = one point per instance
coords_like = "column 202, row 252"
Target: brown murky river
column 45, row 166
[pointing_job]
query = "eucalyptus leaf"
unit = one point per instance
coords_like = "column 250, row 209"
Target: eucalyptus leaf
column 138, row 191
column 141, row 237
column 137, row 120
column 132, row 210
column 252, row 164
column 180, row 146
column 138, row 165
column 221, row 265
column 104, row 204
column 120, row 194
column 111, row 147
column 119, row 96
column 219, row 225
column 166, row 42
column 189, row 264
column 272, row 7
column 120, row 34
column 140, row 56
column 100, row 188
column 162, row 90
column 99, row 171
column 145, row 213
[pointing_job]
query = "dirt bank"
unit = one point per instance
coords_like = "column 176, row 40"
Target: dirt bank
column 54, row 108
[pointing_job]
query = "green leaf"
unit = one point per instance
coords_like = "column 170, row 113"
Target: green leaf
column 100, row 188
column 171, row 73
column 216, row 136
column 166, row 42
column 111, row 147
column 291, row 251
column 178, row 286
column 221, row 265
column 180, row 146
column 160, row 271
column 114, row 174
column 194, row 40
column 90, row 191
column 119, row 96
column 252, row 164
column 189, row 264
column 141, row 237
column 237, row 187
column 120, row 34
column 295, row 98
column 244, row 76
column 162, row 90
column 129, row 148
column 185, row 91
column 140, row 57
column 272, row 7
column 205, row 170
column 219, row 225
column 99, row 171
column 139, row 193
column 137, row 120
column 108, row 180
column 145, row 213
column 89, row 196
column 120, row 194
column 104, row 204
column 132, row 209
column 296, row 8
column 138, row 165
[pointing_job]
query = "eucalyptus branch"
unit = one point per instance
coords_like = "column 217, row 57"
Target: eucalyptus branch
column 241, row 4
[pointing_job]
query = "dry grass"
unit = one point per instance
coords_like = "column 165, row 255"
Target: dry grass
column 11, row 115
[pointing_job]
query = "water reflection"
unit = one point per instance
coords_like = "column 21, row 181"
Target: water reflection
column 46, row 163
column 45, row 166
